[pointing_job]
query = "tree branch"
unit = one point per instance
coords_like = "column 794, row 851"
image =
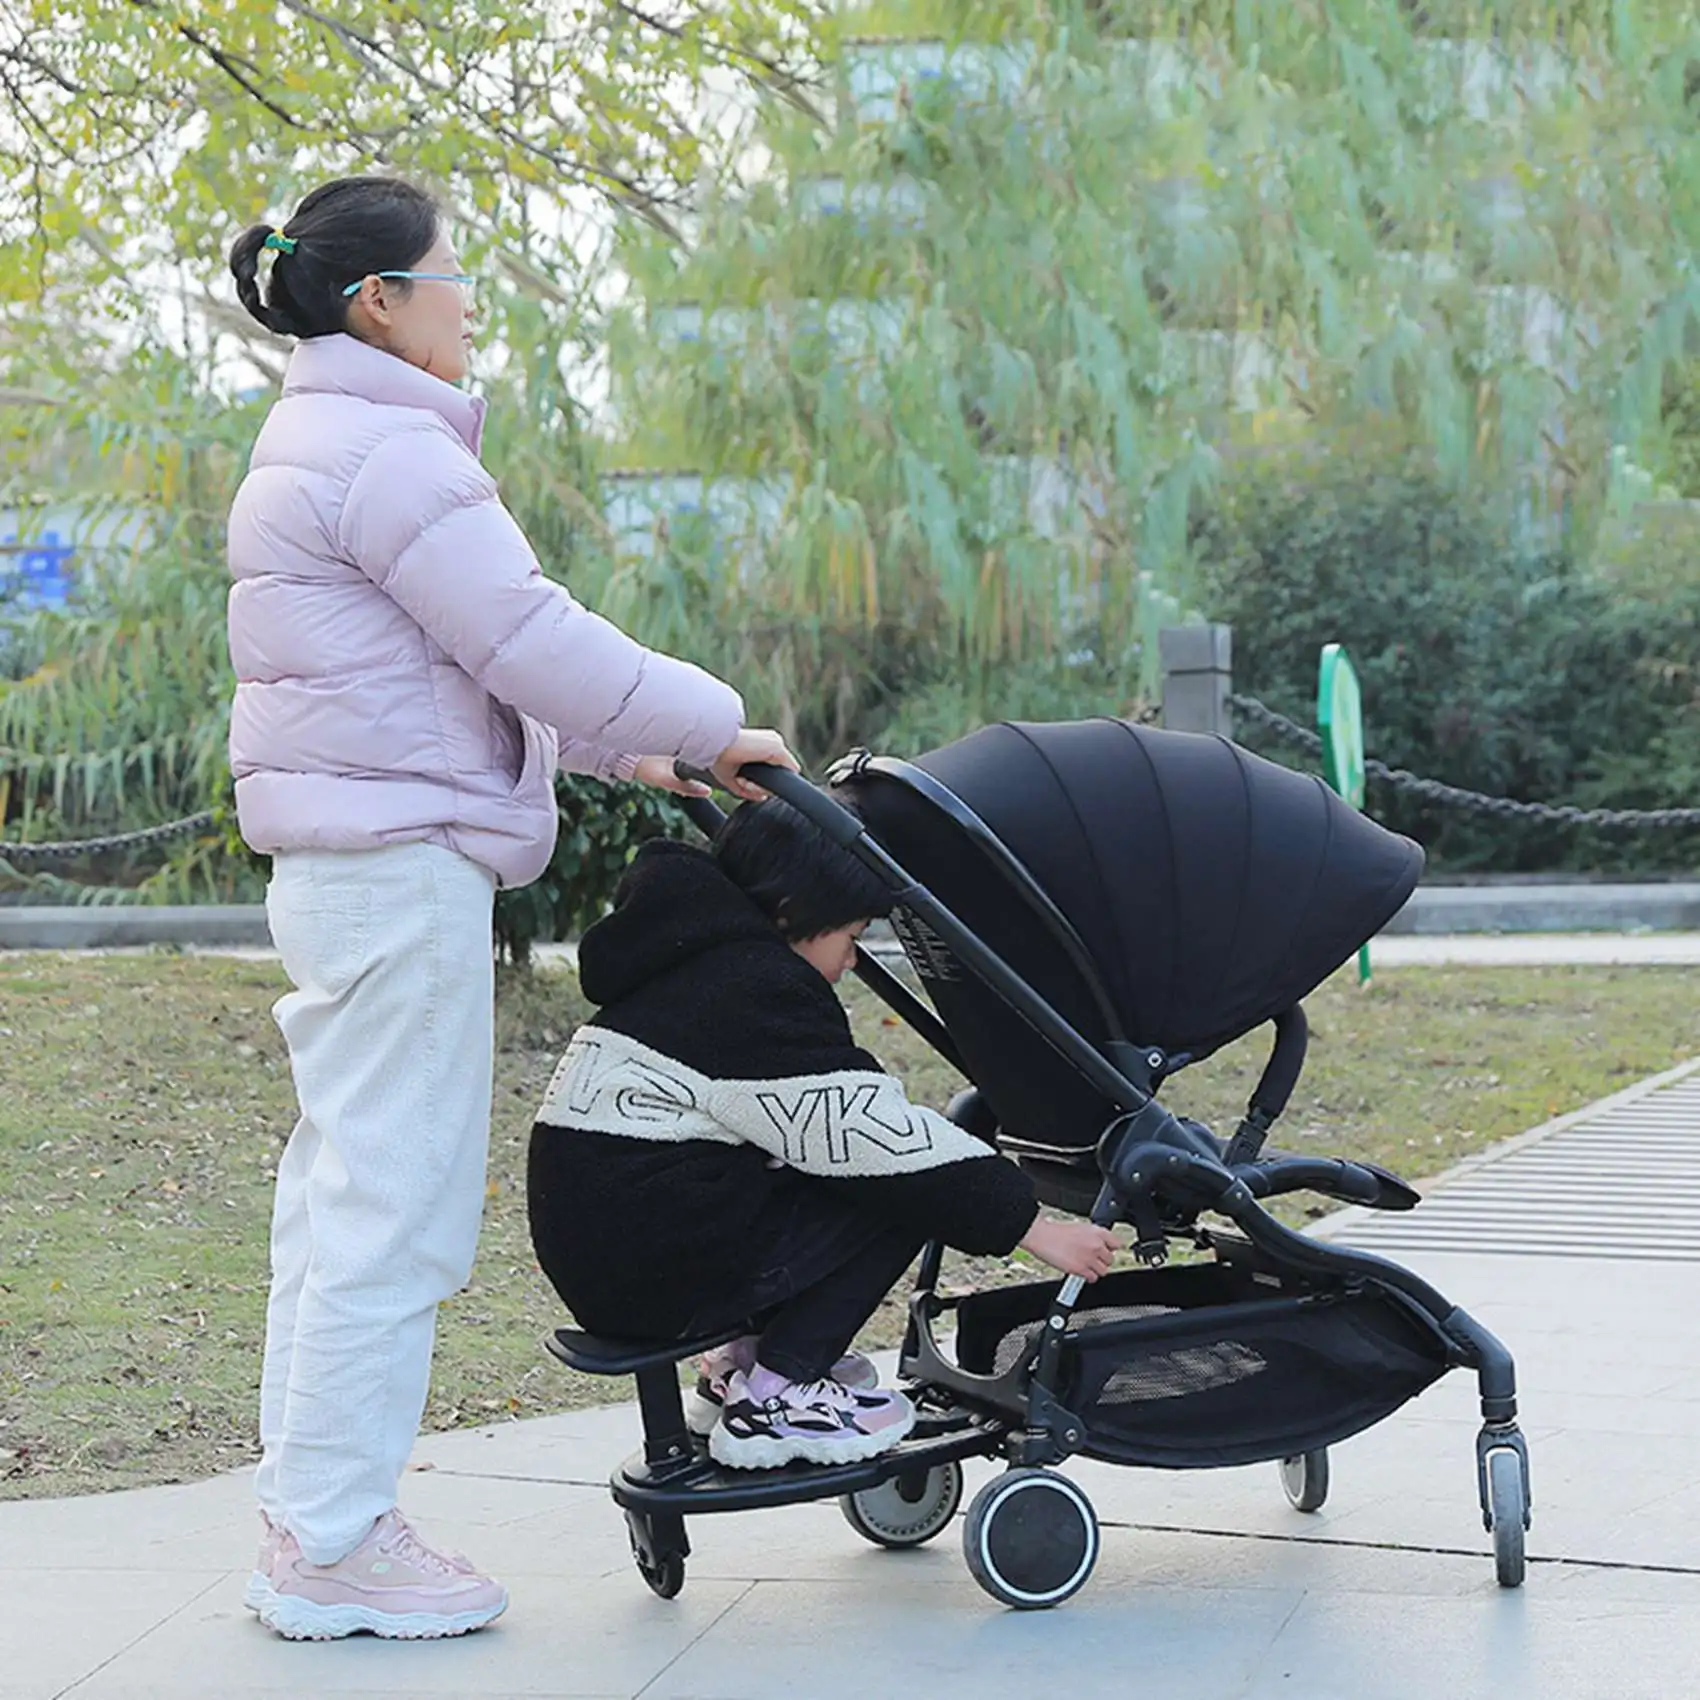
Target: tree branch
column 33, row 122
column 228, row 66
column 19, row 56
column 620, row 189
column 785, row 83
column 364, row 47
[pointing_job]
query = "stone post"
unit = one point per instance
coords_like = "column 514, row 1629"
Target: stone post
column 1198, row 678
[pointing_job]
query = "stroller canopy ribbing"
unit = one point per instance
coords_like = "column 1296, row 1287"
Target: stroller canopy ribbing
column 1212, row 889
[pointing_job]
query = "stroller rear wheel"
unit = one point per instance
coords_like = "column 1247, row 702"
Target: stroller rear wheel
column 1305, row 1478
column 1031, row 1538
column 909, row 1509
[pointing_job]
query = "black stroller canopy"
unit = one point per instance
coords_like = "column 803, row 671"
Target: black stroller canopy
column 1213, row 889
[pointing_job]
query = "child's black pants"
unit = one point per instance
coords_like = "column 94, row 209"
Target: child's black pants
column 823, row 1267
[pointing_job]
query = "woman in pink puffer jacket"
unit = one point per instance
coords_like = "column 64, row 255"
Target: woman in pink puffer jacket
column 407, row 684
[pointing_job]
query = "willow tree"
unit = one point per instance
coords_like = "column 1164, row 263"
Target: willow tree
column 956, row 374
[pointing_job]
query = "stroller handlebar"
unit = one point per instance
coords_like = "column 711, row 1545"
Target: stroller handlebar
column 808, row 800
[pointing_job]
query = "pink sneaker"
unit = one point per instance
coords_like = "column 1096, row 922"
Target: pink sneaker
column 392, row 1585
column 815, row 1422
column 714, row 1369
column 259, row 1587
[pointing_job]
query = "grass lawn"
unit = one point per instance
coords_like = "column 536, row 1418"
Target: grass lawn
column 144, row 1101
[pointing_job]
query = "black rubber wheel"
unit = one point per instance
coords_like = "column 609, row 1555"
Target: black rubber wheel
column 1030, row 1539
column 664, row 1573
column 1509, row 1509
column 908, row 1510
column 666, row 1578
column 1305, row 1479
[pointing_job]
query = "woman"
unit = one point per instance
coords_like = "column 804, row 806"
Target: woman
column 408, row 681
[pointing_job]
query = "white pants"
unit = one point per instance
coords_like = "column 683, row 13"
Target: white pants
column 381, row 1187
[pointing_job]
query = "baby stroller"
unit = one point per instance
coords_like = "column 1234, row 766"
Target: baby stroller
column 1092, row 907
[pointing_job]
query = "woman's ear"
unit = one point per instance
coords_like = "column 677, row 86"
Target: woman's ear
column 370, row 306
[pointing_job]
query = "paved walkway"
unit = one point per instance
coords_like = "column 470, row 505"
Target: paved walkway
column 1535, row 950
column 1208, row 1586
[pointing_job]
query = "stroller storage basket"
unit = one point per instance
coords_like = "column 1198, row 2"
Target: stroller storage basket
column 1211, row 1365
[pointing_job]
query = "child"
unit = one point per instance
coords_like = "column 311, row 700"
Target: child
column 715, row 1147
column 407, row 684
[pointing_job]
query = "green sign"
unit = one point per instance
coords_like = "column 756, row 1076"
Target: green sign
column 1340, row 720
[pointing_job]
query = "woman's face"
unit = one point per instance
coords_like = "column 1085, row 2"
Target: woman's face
column 424, row 321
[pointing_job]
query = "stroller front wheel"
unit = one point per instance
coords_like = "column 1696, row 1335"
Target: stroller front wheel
column 1031, row 1538
column 908, row 1510
column 1510, row 1516
column 1305, row 1479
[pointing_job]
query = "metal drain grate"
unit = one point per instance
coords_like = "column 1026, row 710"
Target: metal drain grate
column 1617, row 1183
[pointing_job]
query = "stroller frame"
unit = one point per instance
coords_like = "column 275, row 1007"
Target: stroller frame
column 1031, row 1536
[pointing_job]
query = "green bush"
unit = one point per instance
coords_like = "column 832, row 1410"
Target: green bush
column 1485, row 663
column 601, row 826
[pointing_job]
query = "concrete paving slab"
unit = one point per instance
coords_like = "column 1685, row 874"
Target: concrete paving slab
column 1525, row 1646
column 596, row 1637
column 200, row 1526
column 61, row 1627
column 941, row 1640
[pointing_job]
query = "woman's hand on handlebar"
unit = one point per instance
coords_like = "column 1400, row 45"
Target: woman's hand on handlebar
column 749, row 745
column 752, row 744
column 1075, row 1248
column 658, row 771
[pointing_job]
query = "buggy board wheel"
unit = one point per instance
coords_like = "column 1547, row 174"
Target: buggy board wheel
column 665, row 1577
column 1508, row 1506
column 1031, row 1538
column 1305, row 1477
column 664, row 1572
column 909, row 1509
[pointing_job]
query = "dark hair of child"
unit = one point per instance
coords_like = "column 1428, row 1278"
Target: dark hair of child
column 796, row 874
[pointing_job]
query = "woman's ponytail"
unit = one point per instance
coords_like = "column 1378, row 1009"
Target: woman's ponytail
column 272, row 312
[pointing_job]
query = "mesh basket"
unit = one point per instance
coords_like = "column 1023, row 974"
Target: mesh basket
column 1200, row 1367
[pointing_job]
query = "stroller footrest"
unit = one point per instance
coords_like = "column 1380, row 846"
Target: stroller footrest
column 595, row 1354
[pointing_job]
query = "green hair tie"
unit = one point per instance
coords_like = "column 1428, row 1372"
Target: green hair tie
column 277, row 240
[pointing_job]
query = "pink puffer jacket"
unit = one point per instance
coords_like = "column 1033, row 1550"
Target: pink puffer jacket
column 404, row 670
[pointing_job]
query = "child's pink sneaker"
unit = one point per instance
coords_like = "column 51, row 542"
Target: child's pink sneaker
column 817, row 1422
column 392, row 1585
column 716, row 1368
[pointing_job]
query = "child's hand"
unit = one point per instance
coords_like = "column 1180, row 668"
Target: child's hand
column 1076, row 1248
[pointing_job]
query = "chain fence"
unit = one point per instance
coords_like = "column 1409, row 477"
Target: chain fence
column 21, row 855
column 1472, row 802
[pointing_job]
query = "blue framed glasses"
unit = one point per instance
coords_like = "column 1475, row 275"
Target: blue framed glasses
column 468, row 283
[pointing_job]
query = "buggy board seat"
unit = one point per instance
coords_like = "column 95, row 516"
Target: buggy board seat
column 597, row 1354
